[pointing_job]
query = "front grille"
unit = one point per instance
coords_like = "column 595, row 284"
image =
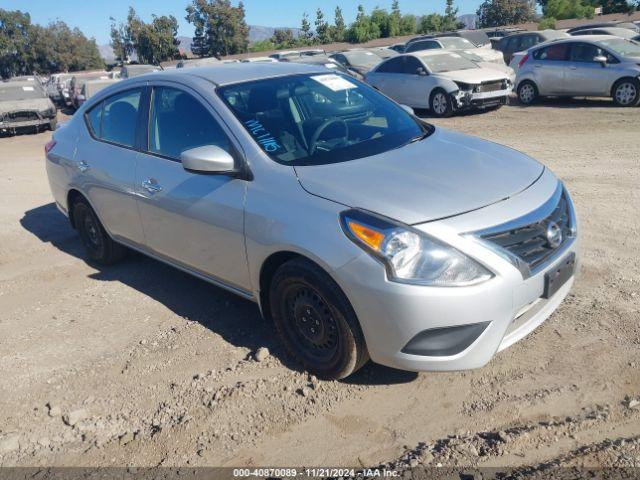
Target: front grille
column 536, row 242
column 491, row 86
column 22, row 116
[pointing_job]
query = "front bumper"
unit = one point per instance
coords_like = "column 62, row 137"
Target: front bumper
column 8, row 125
column 464, row 100
column 392, row 314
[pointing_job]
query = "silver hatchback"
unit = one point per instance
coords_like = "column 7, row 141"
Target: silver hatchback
column 590, row 65
column 361, row 231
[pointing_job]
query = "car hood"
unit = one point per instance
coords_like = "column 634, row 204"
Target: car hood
column 446, row 174
column 38, row 104
column 473, row 75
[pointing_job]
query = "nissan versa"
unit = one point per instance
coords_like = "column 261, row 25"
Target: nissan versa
column 361, row 231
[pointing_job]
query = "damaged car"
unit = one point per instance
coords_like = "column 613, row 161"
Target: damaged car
column 24, row 105
column 442, row 81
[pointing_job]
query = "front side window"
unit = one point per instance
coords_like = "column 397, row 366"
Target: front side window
column 179, row 122
column 320, row 118
column 584, row 52
column 120, row 117
column 412, row 65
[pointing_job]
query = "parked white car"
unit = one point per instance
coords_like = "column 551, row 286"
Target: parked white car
column 456, row 43
column 440, row 80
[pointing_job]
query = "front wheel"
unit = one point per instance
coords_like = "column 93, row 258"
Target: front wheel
column 316, row 321
column 626, row 92
column 440, row 104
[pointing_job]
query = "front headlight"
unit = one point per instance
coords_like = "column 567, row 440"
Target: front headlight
column 411, row 256
column 465, row 87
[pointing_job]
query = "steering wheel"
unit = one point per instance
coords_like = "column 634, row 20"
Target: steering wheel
column 313, row 143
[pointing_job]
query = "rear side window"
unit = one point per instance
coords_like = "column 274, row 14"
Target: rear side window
column 94, row 118
column 552, row 52
column 179, row 122
column 115, row 119
column 528, row 41
column 394, row 65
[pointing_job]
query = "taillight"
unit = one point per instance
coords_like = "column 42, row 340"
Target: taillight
column 49, row 145
column 523, row 59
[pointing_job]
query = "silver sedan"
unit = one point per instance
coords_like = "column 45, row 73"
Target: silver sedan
column 359, row 230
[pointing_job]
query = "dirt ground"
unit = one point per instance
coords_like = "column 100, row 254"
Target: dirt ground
column 140, row 364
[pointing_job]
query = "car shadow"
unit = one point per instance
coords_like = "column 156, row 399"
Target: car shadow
column 236, row 320
column 568, row 102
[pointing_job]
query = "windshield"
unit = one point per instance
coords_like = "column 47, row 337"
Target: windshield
column 10, row 92
column 624, row 48
column 368, row 59
column 320, row 119
column 447, row 62
column 456, row 43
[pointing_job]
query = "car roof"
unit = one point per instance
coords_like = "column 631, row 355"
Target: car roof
column 229, row 73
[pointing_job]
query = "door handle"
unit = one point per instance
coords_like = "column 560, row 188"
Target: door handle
column 573, row 68
column 82, row 166
column 151, row 186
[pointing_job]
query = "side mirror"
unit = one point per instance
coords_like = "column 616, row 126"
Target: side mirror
column 601, row 59
column 421, row 71
column 208, row 159
column 407, row 109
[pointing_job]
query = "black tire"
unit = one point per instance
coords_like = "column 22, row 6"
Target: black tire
column 527, row 92
column 316, row 321
column 440, row 103
column 52, row 124
column 626, row 92
column 99, row 245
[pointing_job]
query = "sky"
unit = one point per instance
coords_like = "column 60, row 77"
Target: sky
column 92, row 16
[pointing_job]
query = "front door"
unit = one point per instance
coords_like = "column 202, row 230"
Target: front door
column 586, row 76
column 196, row 220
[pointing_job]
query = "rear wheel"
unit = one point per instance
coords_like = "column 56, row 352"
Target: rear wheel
column 527, row 92
column 440, row 103
column 315, row 320
column 99, row 245
column 626, row 92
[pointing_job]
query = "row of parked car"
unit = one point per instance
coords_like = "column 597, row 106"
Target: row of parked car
column 31, row 102
column 445, row 72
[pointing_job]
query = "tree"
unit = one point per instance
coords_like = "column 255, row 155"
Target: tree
column 363, row 29
column 27, row 48
column 339, row 29
column 395, row 19
column 283, row 37
column 450, row 19
column 323, row 34
column 562, row 9
column 431, row 23
column 408, row 25
column 220, row 28
column 305, row 30
column 380, row 18
column 496, row 13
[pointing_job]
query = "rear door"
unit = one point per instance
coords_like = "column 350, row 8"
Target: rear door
column 550, row 65
column 106, row 162
column 194, row 219
column 391, row 79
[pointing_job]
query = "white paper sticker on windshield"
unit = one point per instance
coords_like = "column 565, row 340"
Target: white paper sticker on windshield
column 334, row 82
column 27, row 89
column 330, row 65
